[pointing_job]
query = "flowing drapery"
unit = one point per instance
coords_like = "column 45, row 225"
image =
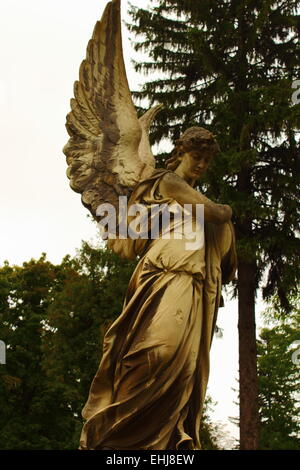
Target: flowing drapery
column 149, row 390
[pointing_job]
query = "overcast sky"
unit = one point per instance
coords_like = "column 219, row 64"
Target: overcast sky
column 42, row 46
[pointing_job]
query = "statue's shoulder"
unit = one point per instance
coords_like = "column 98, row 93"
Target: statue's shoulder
column 150, row 188
column 155, row 178
column 157, row 174
column 170, row 181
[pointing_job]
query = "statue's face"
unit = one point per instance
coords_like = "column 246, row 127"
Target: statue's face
column 194, row 164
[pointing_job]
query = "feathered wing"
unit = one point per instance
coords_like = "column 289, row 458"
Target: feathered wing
column 105, row 134
column 145, row 152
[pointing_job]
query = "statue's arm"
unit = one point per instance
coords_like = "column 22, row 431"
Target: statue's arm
column 175, row 187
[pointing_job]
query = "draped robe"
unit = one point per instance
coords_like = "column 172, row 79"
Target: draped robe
column 149, row 390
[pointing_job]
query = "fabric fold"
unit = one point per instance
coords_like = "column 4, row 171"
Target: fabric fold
column 149, row 390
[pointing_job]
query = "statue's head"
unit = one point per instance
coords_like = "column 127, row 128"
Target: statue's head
column 194, row 139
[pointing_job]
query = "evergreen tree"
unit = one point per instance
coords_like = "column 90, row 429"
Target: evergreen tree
column 229, row 65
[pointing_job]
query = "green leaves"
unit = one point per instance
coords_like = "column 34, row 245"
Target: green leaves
column 53, row 319
column 279, row 379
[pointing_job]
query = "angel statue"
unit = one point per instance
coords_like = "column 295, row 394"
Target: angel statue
column 150, row 386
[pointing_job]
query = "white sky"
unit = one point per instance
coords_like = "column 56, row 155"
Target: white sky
column 42, row 46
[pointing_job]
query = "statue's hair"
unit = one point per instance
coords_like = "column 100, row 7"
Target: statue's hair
column 194, row 138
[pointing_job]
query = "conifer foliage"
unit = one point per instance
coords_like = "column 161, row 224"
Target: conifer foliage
column 230, row 66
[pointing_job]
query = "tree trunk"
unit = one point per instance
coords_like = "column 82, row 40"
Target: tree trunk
column 249, row 421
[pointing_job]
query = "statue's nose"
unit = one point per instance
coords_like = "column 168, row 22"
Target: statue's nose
column 201, row 166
